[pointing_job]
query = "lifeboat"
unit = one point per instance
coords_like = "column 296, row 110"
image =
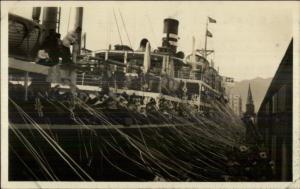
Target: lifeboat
column 24, row 37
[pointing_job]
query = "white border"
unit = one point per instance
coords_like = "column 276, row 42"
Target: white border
column 4, row 95
column 4, row 120
column 296, row 93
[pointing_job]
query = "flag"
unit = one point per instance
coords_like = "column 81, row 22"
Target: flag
column 208, row 34
column 211, row 20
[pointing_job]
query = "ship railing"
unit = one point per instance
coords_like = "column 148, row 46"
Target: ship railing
column 128, row 52
column 154, row 95
column 95, row 81
column 83, row 79
column 88, row 84
column 200, row 82
column 205, row 91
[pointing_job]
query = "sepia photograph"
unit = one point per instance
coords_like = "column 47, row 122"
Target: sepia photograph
column 157, row 92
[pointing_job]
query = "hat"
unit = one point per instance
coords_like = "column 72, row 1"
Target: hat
column 152, row 100
column 57, row 35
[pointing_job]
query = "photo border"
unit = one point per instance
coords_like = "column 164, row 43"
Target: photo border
column 4, row 117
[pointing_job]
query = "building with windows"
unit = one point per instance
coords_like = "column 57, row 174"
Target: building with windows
column 235, row 102
column 275, row 118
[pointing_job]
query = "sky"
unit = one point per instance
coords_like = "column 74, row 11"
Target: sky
column 249, row 38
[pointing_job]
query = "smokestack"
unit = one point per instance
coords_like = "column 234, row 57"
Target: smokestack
column 36, row 13
column 170, row 39
column 49, row 20
column 78, row 29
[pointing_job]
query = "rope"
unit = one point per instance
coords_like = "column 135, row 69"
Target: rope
column 201, row 142
column 118, row 27
column 54, row 144
column 125, row 28
column 69, row 19
column 152, row 30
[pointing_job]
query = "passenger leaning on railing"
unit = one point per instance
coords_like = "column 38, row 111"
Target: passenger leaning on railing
column 48, row 55
column 65, row 47
column 67, row 41
column 53, row 48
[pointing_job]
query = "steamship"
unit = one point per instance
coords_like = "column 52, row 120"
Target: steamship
column 154, row 75
column 159, row 73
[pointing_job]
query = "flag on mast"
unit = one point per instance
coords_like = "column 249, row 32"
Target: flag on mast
column 211, row 20
column 208, row 34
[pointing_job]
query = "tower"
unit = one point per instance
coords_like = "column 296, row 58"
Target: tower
column 249, row 104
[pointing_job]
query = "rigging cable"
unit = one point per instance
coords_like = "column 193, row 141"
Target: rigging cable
column 152, row 30
column 125, row 28
column 118, row 27
column 69, row 19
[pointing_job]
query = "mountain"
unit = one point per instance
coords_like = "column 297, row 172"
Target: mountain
column 259, row 87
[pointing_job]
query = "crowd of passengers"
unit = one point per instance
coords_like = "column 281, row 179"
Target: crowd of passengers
column 62, row 107
column 148, row 83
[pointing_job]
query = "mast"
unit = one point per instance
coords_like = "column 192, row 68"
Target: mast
column 194, row 54
column 205, row 43
column 208, row 34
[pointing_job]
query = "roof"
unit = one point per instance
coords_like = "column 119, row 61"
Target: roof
column 283, row 75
